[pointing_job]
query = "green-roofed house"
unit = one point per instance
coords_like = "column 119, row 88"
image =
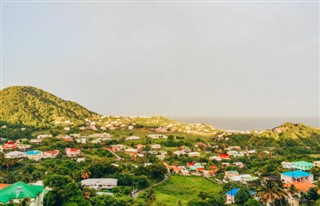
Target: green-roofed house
column 302, row 165
column 19, row 190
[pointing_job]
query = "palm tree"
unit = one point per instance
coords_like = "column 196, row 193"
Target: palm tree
column 268, row 192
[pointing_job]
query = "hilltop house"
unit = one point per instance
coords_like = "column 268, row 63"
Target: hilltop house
column 100, row 183
column 296, row 176
column 72, row 152
column 18, row 191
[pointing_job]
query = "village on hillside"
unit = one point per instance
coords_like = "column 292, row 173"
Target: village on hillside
column 208, row 153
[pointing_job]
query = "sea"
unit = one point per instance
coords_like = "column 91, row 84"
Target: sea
column 248, row 123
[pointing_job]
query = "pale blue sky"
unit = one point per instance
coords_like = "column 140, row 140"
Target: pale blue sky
column 168, row 58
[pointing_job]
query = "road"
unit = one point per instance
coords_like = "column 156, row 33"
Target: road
column 134, row 195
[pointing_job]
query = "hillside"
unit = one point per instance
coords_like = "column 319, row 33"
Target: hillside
column 34, row 107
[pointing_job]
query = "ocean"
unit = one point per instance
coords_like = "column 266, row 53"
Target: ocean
column 247, row 123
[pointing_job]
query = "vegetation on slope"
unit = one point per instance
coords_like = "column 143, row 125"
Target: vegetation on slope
column 34, row 107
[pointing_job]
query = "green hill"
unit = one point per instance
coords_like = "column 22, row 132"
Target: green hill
column 34, row 107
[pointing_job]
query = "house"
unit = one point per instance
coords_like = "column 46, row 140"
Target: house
column 194, row 154
column 156, row 147
column 116, row 148
column 131, row 151
column 36, row 141
column 68, row 139
column 243, row 178
column 34, row 155
column 230, row 174
column 179, row 152
column 217, row 158
column 302, row 187
column 302, row 165
column 286, row 165
column 82, row 140
column 232, row 193
column 72, row 152
column 316, row 163
column 14, row 154
column 239, row 164
column 24, row 147
column 42, row 136
column 139, row 147
column 296, row 176
column 131, row 138
column 51, row 154
column 18, row 191
column 157, row 136
column 224, row 156
column 100, row 183
column 9, row 146
column 235, row 153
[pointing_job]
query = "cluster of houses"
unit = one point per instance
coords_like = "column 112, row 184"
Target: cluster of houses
column 38, row 155
column 193, row 168
column 298, row 176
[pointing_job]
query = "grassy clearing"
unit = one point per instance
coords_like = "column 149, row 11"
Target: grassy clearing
column 183, row 188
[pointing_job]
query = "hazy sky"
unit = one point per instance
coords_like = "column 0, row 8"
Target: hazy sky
column 168, row 58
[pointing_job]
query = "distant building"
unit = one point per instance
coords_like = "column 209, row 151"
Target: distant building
column 100, row 183
column 72, row 152
column 132, row 138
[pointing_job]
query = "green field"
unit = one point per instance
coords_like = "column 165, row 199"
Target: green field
column 183, row 187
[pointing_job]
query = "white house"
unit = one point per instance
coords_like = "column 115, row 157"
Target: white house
column 194, row 154
column 132, row 138
column 100, row 183
column 15, row 154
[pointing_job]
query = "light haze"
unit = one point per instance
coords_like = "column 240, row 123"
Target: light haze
column 178, row 59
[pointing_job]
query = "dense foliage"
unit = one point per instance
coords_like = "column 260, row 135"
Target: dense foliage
column 34, row 107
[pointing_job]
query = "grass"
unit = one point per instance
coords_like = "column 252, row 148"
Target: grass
column 184, row 188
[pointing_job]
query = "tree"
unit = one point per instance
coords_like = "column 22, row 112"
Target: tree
column 268, row 192
column 150, row 196
column 242, row 196
column 157, row 171
column 252, row 202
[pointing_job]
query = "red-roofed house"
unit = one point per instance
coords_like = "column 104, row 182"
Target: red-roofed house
column 9, row 146
column 224, row 156
column 72, row 152
column 51, row 154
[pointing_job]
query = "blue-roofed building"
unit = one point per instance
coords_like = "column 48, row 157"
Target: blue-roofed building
column 296, row 176
column 232, row 193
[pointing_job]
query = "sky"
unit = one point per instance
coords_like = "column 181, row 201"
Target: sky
column 167, row 58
